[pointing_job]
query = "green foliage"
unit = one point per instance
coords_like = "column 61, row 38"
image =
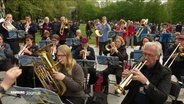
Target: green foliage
column 88, row 9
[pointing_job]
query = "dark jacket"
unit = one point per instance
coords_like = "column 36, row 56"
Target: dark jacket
column 89, row 49
column 122, row 54
column 158, row 89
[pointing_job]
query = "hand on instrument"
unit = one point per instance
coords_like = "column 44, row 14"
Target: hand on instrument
column 10, row 77
column 125, row 73
column 137, row 75
column 59, row 75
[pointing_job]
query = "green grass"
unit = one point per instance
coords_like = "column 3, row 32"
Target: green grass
column 81, row 27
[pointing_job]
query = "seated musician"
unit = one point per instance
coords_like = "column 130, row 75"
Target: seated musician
column 5, row 62
column 86, row 52
column 177, row 65
column 46, row 35
column 78, row 36
column 26, row 78
column 72, row 76
column 118, row 50
column 151, row 84
column 145, row 39
column 55, row 44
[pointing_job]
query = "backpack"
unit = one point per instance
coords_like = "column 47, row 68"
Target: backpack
column 97, row 98
column 98, row 85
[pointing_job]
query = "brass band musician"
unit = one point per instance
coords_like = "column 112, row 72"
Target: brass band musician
column 151, row 84
column 142, row 29
column 86, row 52
column 72, row 75
column 177, row 66
column 119, row 50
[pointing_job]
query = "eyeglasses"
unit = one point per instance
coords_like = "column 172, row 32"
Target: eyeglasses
column 148, row 54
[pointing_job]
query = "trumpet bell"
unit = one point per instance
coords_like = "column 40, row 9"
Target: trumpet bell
column 98, row 33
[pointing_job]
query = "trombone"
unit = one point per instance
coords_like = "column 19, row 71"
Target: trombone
column 172, row 55
column 138, row 33
column 125, row 82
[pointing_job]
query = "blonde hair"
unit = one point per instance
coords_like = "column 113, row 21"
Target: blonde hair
column 121, row 39
column 70, row 62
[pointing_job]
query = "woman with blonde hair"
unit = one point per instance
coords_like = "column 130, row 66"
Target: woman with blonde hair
column 72, row 75
column 117, row 50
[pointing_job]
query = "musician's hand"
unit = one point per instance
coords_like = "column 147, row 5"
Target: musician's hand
column 81, row 52
column 27, row 51
column 59, row 75
column 10, row 77
column 137, row 75
column 125, row 73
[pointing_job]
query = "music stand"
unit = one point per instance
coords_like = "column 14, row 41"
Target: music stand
column 12, row 34
column 73, row 41
column 86, row 64
column 21, row 34
column 108, row 60
column 137, row 56
column 38, row 95
column 27, row 60
column 44, row 43
column 165, row 37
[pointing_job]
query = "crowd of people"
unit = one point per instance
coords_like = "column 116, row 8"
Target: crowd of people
column 151, row 84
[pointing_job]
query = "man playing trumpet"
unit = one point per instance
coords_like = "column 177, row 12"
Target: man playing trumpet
column 151, row 84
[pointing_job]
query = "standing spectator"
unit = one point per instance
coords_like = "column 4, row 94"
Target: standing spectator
column 130, row 36
column 73, row 29
column 88, row 30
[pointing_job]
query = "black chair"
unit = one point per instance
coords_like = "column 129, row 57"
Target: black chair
column 174, row 92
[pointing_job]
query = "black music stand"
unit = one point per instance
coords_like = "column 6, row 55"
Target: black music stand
column 38, row 95
column 44, row 43
column 86, row 64
column 73, row 41
column 27, row 60
column 165, row 37
column 108, row 60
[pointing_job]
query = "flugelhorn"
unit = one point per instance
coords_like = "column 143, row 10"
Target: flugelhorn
column 8, row 25
column 125, row 82
column 84, row 53
column 21, row 52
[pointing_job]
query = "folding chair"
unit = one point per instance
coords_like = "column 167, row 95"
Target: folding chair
column 174, row 92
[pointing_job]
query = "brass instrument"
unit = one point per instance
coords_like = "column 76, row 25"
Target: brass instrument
column 110, row 46
column 120, row 88
column 171, row 56
column 45, row 69
column 99, row 32
column 21, row 52
column 26, row 28
column 84, row 53
column 138, row 33
column 8, row 25
column 64, row 26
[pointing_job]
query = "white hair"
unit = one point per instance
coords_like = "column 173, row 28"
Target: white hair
column 155, row 44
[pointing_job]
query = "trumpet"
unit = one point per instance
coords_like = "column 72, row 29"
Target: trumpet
column 110, row 46
column 120, row 88
column 99, row 32
column 84, row 53
column 21, row 52
column 64, row 26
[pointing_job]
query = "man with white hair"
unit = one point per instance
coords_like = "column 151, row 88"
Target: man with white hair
column 151, row 84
